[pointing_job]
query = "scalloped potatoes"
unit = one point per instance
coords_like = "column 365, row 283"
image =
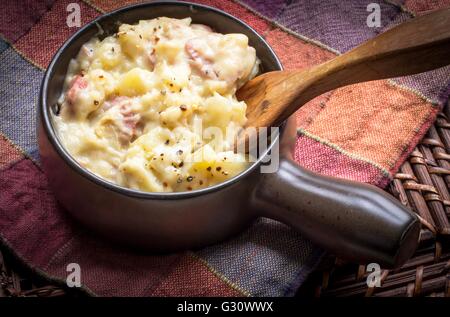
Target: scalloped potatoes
column 148, row 107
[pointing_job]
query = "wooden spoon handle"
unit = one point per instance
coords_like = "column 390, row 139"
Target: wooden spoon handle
column 419, row 45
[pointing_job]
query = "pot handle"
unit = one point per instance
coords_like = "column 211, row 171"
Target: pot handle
column 355, row 221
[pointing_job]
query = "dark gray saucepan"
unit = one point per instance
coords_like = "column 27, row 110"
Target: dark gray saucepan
column 355, row 221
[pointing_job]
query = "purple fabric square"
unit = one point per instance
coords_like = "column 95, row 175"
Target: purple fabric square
column 269, row 9
column 19, row 88
column 340, row 25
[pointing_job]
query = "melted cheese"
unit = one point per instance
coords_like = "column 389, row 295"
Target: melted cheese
column 133, row 104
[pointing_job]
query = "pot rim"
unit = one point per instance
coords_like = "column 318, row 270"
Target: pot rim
column 45, row 111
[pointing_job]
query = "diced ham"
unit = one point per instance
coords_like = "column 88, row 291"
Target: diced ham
column 127, row 124
column 151, row 52
column 202, row 63
column 77, row 84
column 116, row 101
column 130, row 119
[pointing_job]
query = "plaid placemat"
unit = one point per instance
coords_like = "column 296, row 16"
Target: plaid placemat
column 361, row 132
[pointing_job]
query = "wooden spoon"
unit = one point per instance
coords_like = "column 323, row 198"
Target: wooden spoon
column 416, row 46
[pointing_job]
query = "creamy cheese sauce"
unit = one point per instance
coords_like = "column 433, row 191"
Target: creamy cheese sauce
column 136, row 104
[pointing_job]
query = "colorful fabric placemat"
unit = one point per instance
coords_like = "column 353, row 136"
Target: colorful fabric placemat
column 361, row 132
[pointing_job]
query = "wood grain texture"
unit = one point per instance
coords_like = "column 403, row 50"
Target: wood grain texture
column 419, row 45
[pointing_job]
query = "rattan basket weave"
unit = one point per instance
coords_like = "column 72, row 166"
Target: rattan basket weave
column 423, row 184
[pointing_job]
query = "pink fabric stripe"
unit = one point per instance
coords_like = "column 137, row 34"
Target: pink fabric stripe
column 415, row 140
column 325, row 160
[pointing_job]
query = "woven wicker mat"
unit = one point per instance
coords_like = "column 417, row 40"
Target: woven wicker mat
column 422, row 184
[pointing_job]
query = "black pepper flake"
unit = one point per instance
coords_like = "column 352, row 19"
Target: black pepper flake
column 165, row 184
column 171, row 84
column 189, row 178
column 162, row 154
column 200, row 182
column 218, row 168
column 96, row 102
column 101, row 76
column 154, row 29
column 183, row 107
column 167, row 142
column 181, row 164
column 159, row 27
column 179, row 152
column 208, row 168
column 112, row 49
column 189, row 188
column 180, row 90
column 140, row 36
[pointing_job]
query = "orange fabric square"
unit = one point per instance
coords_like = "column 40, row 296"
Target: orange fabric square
column 8, row 152
column 259, row 24
column 375, row 120
column 295, row 53
column 180, row 281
